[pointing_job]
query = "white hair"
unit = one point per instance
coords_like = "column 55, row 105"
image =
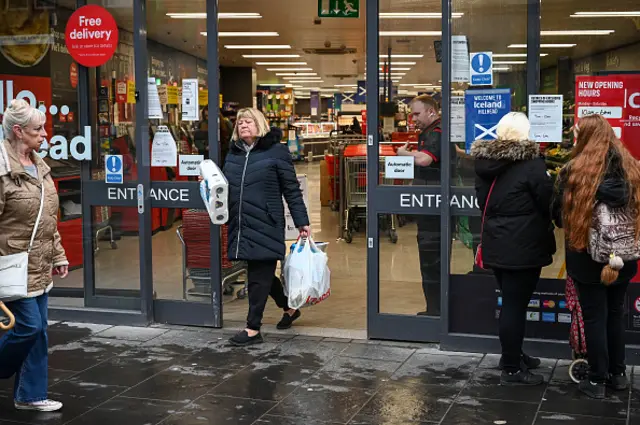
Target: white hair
column 20, row 113
column 514, row 126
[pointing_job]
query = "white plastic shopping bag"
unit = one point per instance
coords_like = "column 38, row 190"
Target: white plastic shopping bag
column 306, row 275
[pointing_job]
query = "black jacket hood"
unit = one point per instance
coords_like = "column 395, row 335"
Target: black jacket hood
column 274, row 136
column 493, row 157
column 614, row 189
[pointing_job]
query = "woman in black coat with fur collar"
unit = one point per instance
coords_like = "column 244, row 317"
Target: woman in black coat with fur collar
column 517, row 240
column 260, row 172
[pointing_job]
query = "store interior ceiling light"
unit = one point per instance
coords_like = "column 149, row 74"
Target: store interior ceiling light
column 270, row 56
column 402, row 56
column 544, row 46
column 203, row 15
column 509, row 62
column 410, row 34
column 289, row 69
column 296, row 74
column 416, row 15
column 257, row 46
column 245, row 34
column 281, row 63
column 303, row 78
column 346, row 85
column 272, row 85
column 625, row 14
column 397, row 69
column 397, row 63
column 577, row 32
column 308, row 81
column 515, row 55
column 501, row 68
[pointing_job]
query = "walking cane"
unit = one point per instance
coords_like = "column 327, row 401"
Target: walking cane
column 12, row 319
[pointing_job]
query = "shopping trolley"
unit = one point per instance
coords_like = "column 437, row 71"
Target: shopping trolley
column 334, row 161
column 355, row 185
column 196, row 257
column 579, row 367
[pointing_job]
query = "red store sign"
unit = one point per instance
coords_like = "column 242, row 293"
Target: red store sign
column 617, row 98
column 91, row 36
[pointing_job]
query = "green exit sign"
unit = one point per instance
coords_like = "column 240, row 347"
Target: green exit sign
column 339, row 8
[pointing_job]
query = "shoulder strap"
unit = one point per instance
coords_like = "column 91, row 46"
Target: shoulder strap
column 35, row 226
column 486, row 204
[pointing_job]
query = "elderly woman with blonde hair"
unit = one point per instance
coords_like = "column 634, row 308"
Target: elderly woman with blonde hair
column 260, row 172
column 28, row 201
column 514, row 191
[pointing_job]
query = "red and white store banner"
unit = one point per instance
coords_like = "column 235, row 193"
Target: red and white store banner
column 617, row 98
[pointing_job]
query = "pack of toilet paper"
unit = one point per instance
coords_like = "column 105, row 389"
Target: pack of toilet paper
column 214, row 190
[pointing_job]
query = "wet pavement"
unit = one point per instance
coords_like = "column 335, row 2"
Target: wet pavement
column 178, row 376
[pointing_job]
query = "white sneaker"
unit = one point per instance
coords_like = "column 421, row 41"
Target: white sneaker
column 39, row 406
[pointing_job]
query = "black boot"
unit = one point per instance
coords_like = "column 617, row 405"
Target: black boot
column 592, row 389
column 526, row 361
column 522, row 377
column 618, row 382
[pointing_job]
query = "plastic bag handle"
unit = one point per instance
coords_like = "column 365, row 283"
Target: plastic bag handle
column 12, row 319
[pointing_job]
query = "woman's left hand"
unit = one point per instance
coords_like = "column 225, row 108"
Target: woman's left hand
column 62, row 271
column 305, row 232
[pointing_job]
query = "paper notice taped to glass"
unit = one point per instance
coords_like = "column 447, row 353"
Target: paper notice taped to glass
column 164, row 152
column 459, row 59
column 457, row 119
column 545, row 116
column 190, row 99
column 155, row 108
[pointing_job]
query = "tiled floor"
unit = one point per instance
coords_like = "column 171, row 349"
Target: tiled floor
column 172, row 376
column 400, row 279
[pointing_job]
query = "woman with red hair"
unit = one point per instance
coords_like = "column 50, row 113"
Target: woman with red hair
column 601, row 171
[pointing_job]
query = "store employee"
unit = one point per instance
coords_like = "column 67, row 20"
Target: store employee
column 425, row 114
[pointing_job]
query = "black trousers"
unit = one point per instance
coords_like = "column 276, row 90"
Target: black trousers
column 263, row 282
column 603, row 314
column 429, row 254
column 517, row 287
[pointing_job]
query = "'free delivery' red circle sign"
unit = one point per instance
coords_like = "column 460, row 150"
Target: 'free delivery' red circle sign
column 91, row 36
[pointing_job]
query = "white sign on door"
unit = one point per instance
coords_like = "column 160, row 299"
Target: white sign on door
column 190, row 100
column 545, row 116
column 164, row 152
column 189, row 165
column 399, row 167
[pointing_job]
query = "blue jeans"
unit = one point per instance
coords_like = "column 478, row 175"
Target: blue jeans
column 23, row 350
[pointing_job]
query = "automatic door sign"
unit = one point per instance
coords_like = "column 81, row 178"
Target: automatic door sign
column 482, row 69
column 113, row 169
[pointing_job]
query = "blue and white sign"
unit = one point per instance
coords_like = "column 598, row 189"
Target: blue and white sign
column 482, row 69
column 113, row 169
column 361, row 94
column 483, row 111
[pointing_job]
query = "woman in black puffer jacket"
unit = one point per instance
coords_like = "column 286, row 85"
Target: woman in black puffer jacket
column 260, row 172
column 518, row 238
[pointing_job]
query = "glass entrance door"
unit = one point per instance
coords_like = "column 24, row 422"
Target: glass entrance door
column 406, row 160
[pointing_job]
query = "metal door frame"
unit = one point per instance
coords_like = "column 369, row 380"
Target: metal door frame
column 94, row 193
column 386, row 200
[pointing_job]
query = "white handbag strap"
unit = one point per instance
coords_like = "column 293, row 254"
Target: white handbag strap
column 35, row 227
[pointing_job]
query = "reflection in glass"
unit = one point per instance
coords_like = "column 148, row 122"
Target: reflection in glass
column 410, row 269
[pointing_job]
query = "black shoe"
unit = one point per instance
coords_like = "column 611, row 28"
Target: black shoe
column 522, row 377
column 592, row 389
column 526, row 361
column 618, row 382
column 242, row 339
column 287, row 320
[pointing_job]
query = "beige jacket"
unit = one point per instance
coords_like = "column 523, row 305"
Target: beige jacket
column 19, row 205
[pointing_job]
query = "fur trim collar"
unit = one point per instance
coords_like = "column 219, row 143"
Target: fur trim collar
column 274, row 136
column 505, row 150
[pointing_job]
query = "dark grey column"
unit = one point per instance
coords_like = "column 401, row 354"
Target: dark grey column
column 214, row 150
column 236, row 84
column 143, row 155
column 533, row 47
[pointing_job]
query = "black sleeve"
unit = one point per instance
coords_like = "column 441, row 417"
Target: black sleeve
column 558, row 198
column 290, row 187
column 541, row 186
column 432, row 145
